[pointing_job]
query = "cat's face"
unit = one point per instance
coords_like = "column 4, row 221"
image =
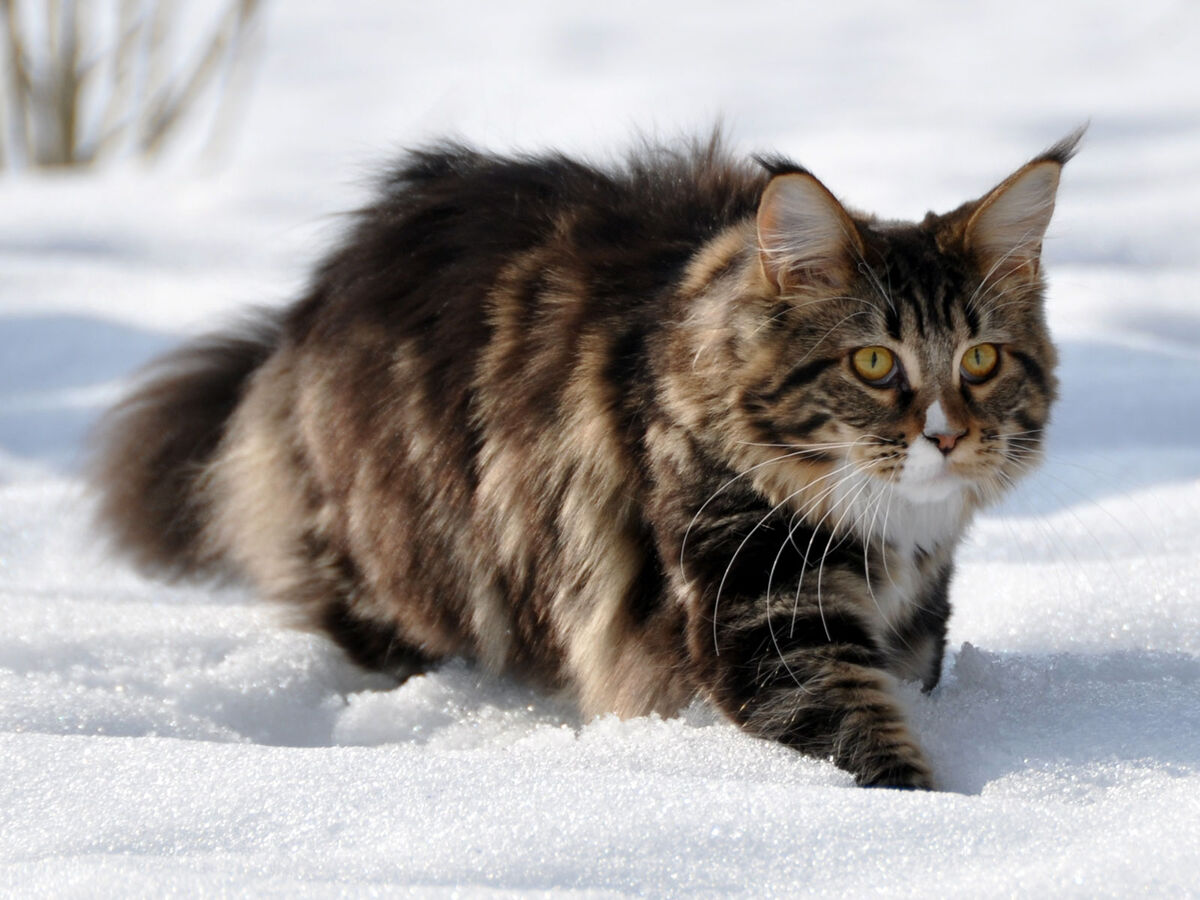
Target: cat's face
column 901, row 359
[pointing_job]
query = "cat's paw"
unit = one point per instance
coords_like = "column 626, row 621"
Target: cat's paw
column 899, row 778
column 904, row 768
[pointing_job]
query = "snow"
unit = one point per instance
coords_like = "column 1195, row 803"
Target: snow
column 180, row 740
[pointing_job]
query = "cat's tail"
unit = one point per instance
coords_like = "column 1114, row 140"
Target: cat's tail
column 152, row 449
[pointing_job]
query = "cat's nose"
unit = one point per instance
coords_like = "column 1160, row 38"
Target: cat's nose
column 945, row 440
column 939, row 430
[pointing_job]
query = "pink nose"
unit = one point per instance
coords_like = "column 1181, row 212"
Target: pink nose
column 945, row 440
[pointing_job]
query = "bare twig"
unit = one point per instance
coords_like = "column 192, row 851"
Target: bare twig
column 131, row 24
column 53, row 115
column 59, row 143
column 177, row 99
column 19, row 81
column 233, row 92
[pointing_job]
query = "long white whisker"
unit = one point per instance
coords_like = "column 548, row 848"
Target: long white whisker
column 1024, row 243
column 831, row 330
column 798, row 516
column 849, row 505
column 733, row 559
column 687, row 532
column 807, row 553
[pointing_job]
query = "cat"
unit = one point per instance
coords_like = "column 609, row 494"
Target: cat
column 680, row 427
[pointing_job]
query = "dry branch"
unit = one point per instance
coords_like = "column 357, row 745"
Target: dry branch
column 71, row 102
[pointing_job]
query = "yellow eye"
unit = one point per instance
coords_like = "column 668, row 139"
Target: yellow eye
column 980, row 361
column 874, row 364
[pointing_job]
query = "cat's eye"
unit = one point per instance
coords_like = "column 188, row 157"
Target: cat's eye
column 874, row 365
column 979, row 362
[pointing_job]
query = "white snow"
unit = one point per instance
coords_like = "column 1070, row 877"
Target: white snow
column 162, row 740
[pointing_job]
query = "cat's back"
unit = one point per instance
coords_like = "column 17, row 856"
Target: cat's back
column 469, row 293
column 450, row 220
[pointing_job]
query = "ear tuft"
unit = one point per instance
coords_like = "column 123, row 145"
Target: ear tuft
column 805, row 237
column 1064, row 150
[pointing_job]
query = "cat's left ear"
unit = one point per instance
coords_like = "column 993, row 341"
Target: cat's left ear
column 1008, row 226
column 805, row 236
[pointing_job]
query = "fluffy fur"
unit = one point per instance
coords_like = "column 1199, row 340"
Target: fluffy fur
column 603, row 428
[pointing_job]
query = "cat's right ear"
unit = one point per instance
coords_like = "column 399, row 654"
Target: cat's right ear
column 805, row 236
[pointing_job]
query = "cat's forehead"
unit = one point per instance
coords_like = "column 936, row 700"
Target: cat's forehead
column 919, row 280
column 920, row 250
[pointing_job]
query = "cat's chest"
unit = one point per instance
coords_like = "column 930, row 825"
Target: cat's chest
column 895, row 585
column 914, row 531
column 908, row 553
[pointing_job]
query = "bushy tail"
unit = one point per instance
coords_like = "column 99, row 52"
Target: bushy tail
column 152, row 448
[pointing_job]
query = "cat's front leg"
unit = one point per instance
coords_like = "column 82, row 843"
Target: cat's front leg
column 809, row 675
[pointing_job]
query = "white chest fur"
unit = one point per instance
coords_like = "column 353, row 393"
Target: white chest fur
column 900, row 530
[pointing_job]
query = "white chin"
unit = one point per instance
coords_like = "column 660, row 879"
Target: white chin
column 933, row 489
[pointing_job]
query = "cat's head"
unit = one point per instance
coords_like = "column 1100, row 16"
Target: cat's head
column 911, row 358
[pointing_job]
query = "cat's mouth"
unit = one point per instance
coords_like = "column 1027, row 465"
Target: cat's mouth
column 928, row 476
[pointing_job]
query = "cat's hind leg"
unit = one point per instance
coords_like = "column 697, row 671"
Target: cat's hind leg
column 335, row 597
column 271, row 517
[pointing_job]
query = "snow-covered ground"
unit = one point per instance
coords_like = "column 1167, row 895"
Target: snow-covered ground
column 157, row 740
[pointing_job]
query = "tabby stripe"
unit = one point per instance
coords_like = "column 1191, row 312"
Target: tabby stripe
column 808, row 631
column 882, row 710
column 813, row 422
column 919, row 313
column 1032, row 369
column 864, row 682
column 1026, row 422
column 948, row 298
column 892, row 320
column 928, row 308
column 761, row 657
column 800, row 375
column 972, row 316
column 371, row 644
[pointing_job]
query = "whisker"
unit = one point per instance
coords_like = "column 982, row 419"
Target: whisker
column 733, row 559
column 817, row 344
column 814, row 447
column 865, row 269
column 849, row 504
column 824, row 446
column 808, row 551
column 687, row 532
column 883, row 556
column 887, row 513
column 1028, row 240
column 1091, row 502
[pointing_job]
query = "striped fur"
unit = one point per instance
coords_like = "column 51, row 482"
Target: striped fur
column 600, row 428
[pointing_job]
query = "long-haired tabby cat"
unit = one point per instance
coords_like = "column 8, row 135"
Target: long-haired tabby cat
column 683, row 427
